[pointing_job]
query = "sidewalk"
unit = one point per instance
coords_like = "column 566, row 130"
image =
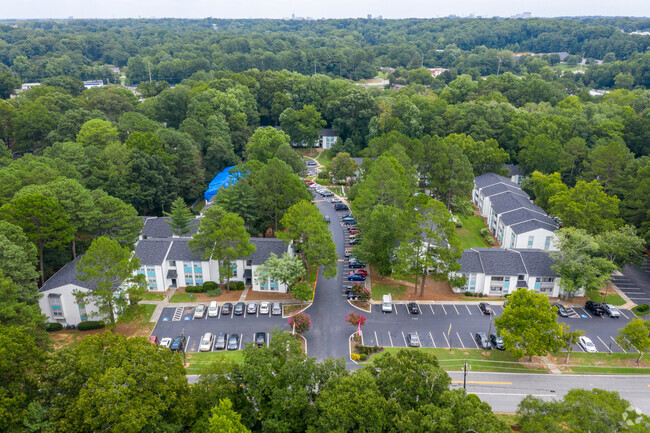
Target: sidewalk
column 160, row 305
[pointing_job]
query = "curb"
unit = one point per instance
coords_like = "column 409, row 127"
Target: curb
column 359, row 308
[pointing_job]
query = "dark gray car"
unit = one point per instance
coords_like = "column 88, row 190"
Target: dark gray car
column 220, row 342
column 233, row 342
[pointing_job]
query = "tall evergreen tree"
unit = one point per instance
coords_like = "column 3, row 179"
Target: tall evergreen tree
column 180, row 218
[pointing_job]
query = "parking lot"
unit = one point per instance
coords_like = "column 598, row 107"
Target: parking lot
column 455, row 325
column 175, row 321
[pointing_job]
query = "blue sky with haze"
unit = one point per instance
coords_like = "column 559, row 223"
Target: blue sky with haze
column 315, row 9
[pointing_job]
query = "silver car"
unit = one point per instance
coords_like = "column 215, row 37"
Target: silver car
column 276, row 309
column 206, row 342
column 611, row 310
column 199, row 312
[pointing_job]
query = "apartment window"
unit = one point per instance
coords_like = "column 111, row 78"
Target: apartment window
column 530, row 241
column 55, row 307
column 547, row 243
column 506, row 282
column 172, row 263
column 234, row 270
column 189, row 281
column 249, row 263
column 82, row 312
column 153, row 283
column 151, row 271
column 512, row 240
column 264, row 284
column 470, row 285
column 198, row 268
column 521, row 278
column 538, row 283
column 496, row 285
column 188, row 268
column 548, row 280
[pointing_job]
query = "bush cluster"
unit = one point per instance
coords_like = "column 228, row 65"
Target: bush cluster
column 643, row 308
column 89, row 325
column 210, row 285
column 215, row 292
column 458, row 223
column 194, row 289
column 486, row 235
column 367, row 350
column 237, row 285
column 475, row 295
column 355, row 356
column 53, row 327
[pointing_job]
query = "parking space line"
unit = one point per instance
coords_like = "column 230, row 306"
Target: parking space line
column 404, row 339
column 187, row 342
column 448, row 345
column 396, row 308
column 479, row 309
column 624, row 351
column 391, row 339
column 606, row 346
column 474, row 340
column 444, row 309
column 467, row 306
column 241, row 341
column 459, row 339
column 432, row 340
column 585, row 311
column 456, row 309
column 432, row 312
column 580, row 347
column 623, row 314
column 376, row 339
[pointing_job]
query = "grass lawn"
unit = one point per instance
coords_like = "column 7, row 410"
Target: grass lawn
column 469, row 233
column 151, row 296
column 508, row 418
column 604, row 363
column 325, row 157
column 379, row 290
column 612, row 297
column 198, row 361
column 490, row 360
column 139, row 315
column 640, row 313
column 181, row 297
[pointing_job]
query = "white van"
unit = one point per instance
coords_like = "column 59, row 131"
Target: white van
column 387, row 303
column 213, row 309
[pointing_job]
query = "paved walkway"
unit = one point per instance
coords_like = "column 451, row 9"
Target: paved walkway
column 160, row 305
column 550, row 365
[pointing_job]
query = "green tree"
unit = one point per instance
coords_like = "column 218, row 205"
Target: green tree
column 578, row 263
column 586, row 206
column 110, row 271
column 569, row 338
column 115, row 219
column 343, row 166
column 111, row 383
column 545, row 187
column 98, row 133
column 303, row 224
column 240, row 198
column 303, row 291
column 382, row 229
column 621, row 246
column 292, row 158
column 225, row 420
column 222, row 236
column 624, row 81
column 607, row 162
column 484, row 156
column 180, row 218
column 43, row 220
column 286, row 269
column 529, row 325
column 8, row 84
column 635, row 335
column 17, row 259
column 303, row 126
column 543, row 153
column 264, row 144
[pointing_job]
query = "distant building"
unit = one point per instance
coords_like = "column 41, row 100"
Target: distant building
column 326, row 139
column 93, row 83
column 27, row 86
column 515, row 173
column 437, row 71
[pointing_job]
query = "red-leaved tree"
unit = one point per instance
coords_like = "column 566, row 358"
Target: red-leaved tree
column 300, row 322
column 356, row 320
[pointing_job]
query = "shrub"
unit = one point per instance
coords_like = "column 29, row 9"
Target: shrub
column 375, row 349
column 89, row 325
column 484, row 232
column 215, row 292
column 468, row 293
column 237, row 285
column 480, row 295
column 323, row 175
column 643, row 308
column 363, row 357
column 355, row 356
column 210, row 285
column 489, row 241
column 458, row 223
column 195, row 289
column 53, row 327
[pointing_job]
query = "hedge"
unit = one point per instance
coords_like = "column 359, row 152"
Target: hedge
column 210, row 285
column 90, row 325
column 643, row 308
column 237, row 285
column 53, row 327
column 195, row 289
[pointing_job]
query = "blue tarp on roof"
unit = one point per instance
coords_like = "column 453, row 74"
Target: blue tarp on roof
column 224, row 178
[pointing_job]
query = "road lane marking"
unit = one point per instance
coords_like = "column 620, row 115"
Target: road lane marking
column 376, row 339
column 391, row 339
column 606, row 346
column 443, row 309
column 433, row 312
column 404, row 339
column 461, row 341
column 480, row 382
column 445, row 335
column 434, row 341
column 456, row 309
column 467, row 306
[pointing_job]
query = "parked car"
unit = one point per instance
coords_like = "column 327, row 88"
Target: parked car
column 206, row 342
column 611, row 310
column 587, row 344
column 226, row 309
column 350, row 221
column 340, row 206
column 233, row 342
column 595, row 308
column 360, row 272
column 354, row 231
column 199, row 312
column 311, row 163
column 213, row 309
column 265, row 307
column 412, row 339
column 309, row 182
column 356, row 277
column 497, row 342
column 348, row 252
column 355, row 264
column 276, row 309
column 413, row 308
column 153, row 339
column 485, row 308
column 335, row 200
column 347, row 215
column 481, row 340
column 260, row 339
column 166, row 342
column 220, row 341
column 561, row 310
column 251, row 308
column 239, row 308
column 177, row 344
column 355, row 241
column 326, row 218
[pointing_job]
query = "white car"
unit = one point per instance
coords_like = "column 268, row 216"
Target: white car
column 166, row 342
column 587, row 344
column 199, row 312
column 611, row 310
column 265, row 307
column 213, row 309
column 206, row 342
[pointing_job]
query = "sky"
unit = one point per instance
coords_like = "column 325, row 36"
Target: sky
column 10, row 9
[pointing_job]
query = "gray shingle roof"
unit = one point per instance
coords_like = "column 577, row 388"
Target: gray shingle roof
column 530, row 225
column 180, row 251
column 513, row 170
column 507, row 202
column 470, row 262
column 503, row 188
column 538, row 263
column 328, row 132
column 488, row 179
column 65, row 275
column 264, row 248
column 152, row 251
column 526, row 214
column 158, row 227
column 500, row 261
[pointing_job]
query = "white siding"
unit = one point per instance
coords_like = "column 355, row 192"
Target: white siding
column 71, row 313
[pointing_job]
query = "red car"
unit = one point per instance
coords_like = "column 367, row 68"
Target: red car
column 153, row 339
column 309, row 182
column 361, row 272
column 354, row 231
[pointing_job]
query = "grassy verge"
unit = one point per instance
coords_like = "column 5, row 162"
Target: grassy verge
column 379, row 290
column 604, row 363
column 196, row 362
column 151, row 296
column 138, row 315
column 612, row 298
column 469, row 234
column 508, row 418
column 182, row 297
column 640, row 312
column 325, row 157
column 479, row 360
column 337, row 189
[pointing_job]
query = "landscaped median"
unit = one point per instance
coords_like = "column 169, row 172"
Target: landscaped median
column 602, row 363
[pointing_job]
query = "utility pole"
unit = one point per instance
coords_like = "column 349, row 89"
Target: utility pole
column 489, row 330
column 465, row 376
column 183, row 346
column 449, row 336
column 149, row 67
